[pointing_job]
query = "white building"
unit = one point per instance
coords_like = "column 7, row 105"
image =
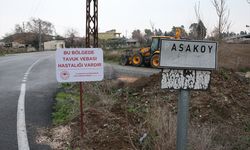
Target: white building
column 53, row 45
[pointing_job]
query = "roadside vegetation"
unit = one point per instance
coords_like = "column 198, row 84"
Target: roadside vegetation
column 2, row 53
column 65, row 108
column 137, row 114
column 112, row 56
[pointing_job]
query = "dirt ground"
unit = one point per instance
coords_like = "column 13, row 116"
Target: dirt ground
column 234, row 56
column 134, row 113
column 123, row 117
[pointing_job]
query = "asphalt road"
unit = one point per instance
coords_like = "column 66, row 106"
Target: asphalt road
column 37, row 72
column 114, row 70
column 40, row 88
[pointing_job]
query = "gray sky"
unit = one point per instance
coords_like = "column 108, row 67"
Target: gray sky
column 122, row 15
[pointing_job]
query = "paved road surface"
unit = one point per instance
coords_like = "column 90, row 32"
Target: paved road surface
column 37, row 72
column 40, row 88
column 113, row 70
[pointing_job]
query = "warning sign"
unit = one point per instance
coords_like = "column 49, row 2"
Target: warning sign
column 79, row 64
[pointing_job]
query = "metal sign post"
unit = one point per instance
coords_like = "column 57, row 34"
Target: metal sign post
column 182, row 119
column 91, row 34
column 81, row 108
column 186, row 66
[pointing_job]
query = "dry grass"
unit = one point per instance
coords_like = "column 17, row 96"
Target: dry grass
column 112, row 56
column 162, row 125
column 200, row 138
column 234, row 56
column 56, row 137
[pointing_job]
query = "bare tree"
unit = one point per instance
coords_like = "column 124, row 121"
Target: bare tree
column 71, row 38
column 47, row 28
column 223, row 16
column 152, row 27
column 197, row 11
column 18, row 29
column 71, row 32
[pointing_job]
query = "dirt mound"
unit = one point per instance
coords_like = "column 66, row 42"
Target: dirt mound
column 103, row 129
column 226, row 100
column 137, row 115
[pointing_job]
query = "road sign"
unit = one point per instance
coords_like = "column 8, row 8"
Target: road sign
column 188, row 54
column 185, row 79
column 79, row 64
column 186, row 65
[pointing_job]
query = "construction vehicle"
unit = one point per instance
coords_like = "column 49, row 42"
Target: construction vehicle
column 147, row 56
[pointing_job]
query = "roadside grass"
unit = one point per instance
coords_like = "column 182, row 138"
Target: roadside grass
column 112, row 56
column 2, row 53
column 67, row 105
column 245, row 70
column 66, row 108
column 224, row 73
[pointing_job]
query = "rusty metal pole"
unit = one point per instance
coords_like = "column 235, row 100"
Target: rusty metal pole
column 90, row 41
column 91, row 23
column 81, row 108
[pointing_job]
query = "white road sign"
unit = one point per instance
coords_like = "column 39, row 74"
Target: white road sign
column 188, row 54
column 79, row 64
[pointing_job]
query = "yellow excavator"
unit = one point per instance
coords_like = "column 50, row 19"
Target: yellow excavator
column 147, row 56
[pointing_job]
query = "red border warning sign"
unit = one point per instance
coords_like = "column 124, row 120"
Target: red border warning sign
column 79, row 64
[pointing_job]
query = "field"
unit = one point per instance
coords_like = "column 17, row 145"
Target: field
column 134, row 113
column 234, row 56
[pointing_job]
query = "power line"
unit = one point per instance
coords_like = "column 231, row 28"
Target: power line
column 37, row 7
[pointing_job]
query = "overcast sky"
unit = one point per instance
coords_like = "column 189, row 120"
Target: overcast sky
column 122, row 15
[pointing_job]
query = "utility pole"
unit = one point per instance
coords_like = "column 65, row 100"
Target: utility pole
column 91, row 41
column 23, row 30
column 91, row 23
column 40, row 36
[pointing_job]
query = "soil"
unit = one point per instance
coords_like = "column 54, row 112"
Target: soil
column 234, row 56
column 119, row 125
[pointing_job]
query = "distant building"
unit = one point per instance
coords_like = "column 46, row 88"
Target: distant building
column 53, row 45
column 17, row 45
column 238, row 39
column 112, row 34
column 133, row 43
column 14, row 45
